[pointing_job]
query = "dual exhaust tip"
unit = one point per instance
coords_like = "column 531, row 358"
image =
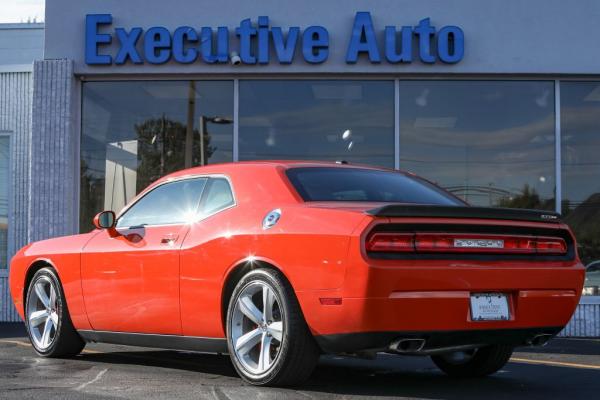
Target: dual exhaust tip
column 540, row 340
column 417, row 345
column 407, row 345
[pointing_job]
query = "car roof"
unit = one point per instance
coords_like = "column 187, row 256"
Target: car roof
column 225, row 168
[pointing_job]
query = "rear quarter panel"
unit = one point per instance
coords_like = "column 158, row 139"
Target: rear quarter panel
column 309, row 246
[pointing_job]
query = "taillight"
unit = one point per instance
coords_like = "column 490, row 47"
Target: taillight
column 464, row 243
column 551, row 245
column 391, row 242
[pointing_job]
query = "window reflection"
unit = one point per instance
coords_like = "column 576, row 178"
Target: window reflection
column 135, row 132
column 170, row 203
column 317, row 119
column 489, row 142
column 580, row 136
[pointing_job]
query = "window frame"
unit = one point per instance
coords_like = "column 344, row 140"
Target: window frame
column 147, row 191
column 9, row 232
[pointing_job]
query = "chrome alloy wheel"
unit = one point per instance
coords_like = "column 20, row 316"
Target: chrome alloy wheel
column 42, row 313
column 257, row 327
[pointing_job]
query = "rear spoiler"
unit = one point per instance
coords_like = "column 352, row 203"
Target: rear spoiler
column 418, row 210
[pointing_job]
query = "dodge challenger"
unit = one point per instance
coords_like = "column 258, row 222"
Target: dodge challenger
column 278, row 262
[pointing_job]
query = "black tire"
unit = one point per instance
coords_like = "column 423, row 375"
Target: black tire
column 66, row 341
column 298, row 351
column 485, row 361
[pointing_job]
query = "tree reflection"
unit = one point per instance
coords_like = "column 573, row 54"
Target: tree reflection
column 161, row 149
column 529, row 198
column 584, row 220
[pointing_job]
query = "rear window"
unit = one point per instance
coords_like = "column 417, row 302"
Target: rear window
column 357, row 184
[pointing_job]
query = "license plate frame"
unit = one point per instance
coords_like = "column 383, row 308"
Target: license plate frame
column 489, row 307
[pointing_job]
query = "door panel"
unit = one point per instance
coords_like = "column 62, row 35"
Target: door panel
column 130, row 274
column 131, row 281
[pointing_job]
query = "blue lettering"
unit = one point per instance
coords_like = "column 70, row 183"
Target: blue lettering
column 157, row 44
column 128, row 43
column 363, row 39
column 93, row 39
column 425, row 31
column 187, row 45
column 222, row 45
column 246, row 31
column 181, row 37
column 391, row 48
column 263, row 40
column 315, row 44
column 451, row 35
column 285, row 49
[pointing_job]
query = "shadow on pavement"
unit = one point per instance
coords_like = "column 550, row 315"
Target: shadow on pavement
column 197, row 362
column 385, row 376
column 12, row 330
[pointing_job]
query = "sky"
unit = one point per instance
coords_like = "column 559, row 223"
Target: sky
column 21, row 10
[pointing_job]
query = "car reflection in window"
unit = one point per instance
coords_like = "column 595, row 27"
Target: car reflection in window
column 592, row 279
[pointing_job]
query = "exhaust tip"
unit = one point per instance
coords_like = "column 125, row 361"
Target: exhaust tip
column 407, row 345
column 540, row 340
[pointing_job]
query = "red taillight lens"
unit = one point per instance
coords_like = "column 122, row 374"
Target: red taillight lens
column 464, row 243
column 550, row 245
column 402, row 242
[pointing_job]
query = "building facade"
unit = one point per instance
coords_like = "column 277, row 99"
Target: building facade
column 20, row 45
column 498, row 101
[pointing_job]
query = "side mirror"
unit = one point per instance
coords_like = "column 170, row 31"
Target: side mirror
column 105, row 220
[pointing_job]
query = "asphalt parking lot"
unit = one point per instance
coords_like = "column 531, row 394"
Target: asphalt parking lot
column 566, row 368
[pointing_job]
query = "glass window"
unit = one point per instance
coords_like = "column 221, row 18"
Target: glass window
column 489, row 142
column 218, row 196
column 4, row 189
column 170, row 203
column 318, row 120
column 355, row 184
column 136, row 132
column 580, row 136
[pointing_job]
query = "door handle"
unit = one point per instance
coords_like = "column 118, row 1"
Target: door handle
column 169, row 239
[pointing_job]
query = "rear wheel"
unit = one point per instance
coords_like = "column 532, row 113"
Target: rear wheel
column 474, row 363
column 49, row 326
column 268, row 339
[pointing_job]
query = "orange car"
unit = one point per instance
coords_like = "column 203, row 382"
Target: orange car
column 278, row 262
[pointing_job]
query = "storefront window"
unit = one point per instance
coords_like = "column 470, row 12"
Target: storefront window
column 489, row 142
column 580, row 136
column 318, row 120
column 136, row 132
column 4, row 189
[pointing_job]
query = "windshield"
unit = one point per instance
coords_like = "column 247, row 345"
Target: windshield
column 358, row 184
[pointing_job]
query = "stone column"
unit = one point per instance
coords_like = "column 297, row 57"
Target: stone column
column 54, row 193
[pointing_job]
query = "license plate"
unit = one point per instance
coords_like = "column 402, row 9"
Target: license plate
column 489, row 307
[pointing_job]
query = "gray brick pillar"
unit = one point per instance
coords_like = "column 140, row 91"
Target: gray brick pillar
column 54, row 193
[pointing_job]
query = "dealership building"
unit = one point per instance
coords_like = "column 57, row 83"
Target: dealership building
column 496, row 101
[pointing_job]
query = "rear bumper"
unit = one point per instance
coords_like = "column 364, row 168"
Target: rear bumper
column 373, row 323
column 433, row 340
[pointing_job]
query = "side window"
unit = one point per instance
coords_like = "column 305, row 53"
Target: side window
column 218, row 196
column 170, row 203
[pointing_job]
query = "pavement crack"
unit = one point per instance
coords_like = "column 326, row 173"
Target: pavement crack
column 96, row 379
column 219, row 394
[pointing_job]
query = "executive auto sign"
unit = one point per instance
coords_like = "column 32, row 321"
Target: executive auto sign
column 258, row 42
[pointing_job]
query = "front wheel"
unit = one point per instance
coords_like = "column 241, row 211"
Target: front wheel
column 268, row 339
column 47, row 319
column 474, row 363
